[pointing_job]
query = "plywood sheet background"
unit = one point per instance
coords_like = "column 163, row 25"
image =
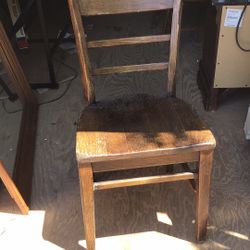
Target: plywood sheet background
column 233, row 65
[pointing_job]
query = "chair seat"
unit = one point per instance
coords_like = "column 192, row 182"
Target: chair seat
column 140, row 126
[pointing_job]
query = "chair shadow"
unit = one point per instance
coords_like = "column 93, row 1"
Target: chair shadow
column 125, row 211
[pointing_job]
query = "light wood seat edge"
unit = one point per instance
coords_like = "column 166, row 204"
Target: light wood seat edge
column 81, row 158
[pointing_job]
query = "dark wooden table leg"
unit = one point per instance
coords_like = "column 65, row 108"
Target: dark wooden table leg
column 87, row 198
column 202, row 202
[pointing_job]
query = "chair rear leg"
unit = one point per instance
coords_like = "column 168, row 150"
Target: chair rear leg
column 202, row 199
column 87, row 198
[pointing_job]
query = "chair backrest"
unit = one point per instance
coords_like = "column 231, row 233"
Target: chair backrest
column 80, row 8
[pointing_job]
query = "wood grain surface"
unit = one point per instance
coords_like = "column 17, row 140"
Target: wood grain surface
column 101, row 185
column 131, row 212
column 128, row 41
column 130, row 68
column 98, row 7
column 140, row 126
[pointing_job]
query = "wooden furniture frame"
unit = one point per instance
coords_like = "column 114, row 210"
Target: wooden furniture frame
column 23, row 169
column 120, row 136
column 13, row 191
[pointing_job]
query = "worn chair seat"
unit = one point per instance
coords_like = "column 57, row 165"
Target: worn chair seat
column 141, row 126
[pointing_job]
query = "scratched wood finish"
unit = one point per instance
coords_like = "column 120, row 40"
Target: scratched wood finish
column 99, row 7
column 140, row 126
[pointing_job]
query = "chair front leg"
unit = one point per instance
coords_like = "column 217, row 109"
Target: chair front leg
column 87, row 198
column 202, row 199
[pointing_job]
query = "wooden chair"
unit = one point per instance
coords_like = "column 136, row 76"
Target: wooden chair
column 139, row 132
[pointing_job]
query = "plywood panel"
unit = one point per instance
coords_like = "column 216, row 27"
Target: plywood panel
column 232, row 65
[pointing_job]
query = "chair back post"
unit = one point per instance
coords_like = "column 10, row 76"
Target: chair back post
column 174, row 44
column 81, row 45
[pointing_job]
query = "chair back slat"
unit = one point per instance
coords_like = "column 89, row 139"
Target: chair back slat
column 106, row 7
column 80, row 8
column 130, row 68
column 128, row 41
